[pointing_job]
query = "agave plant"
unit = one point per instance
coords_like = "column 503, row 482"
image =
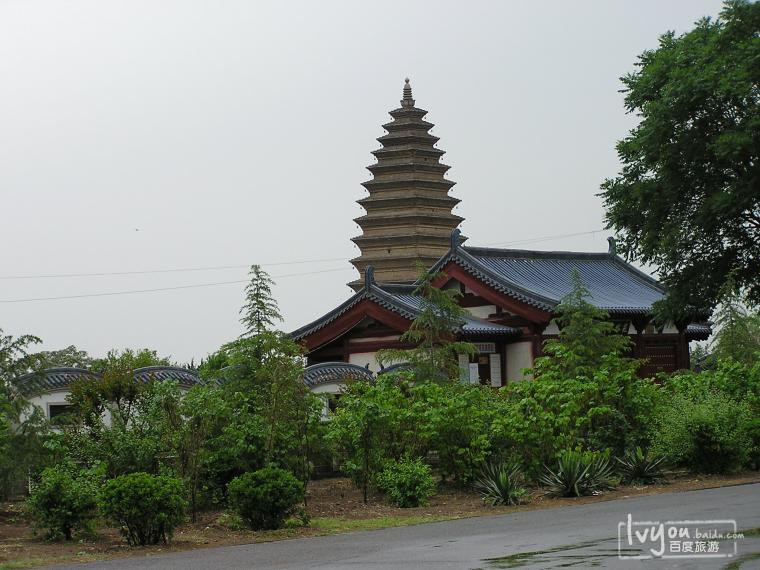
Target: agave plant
column 578, row 474
column 600, row 476
column 501, row 484
column 636, row 466
column 570, row 478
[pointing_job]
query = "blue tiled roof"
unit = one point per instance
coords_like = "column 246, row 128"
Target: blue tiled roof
column 183, row 376
column 543, row 278
column 53, row 379
column 334, row 372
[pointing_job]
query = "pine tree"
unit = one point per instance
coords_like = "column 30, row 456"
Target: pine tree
column 433, row 332
column 587, row 340
column 260, row 310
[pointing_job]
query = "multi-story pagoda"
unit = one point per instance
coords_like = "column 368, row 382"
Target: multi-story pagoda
column 409, row 219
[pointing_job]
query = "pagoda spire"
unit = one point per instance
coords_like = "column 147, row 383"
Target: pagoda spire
column 406, row 100
column 409, row 215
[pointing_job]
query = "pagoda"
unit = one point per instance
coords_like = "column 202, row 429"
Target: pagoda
column 409, row 216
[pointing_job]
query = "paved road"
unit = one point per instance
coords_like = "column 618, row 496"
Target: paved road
column 580, row 536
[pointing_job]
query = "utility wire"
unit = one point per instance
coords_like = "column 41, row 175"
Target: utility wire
column 280, row 263
column 157, row 289
column 175, row 270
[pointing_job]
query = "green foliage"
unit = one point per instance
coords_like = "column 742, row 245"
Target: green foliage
column 265, row 498
column 737, row 335
column 455, row 420
column 585, row 393
column 129, row 359
column 146, row 507
column 70, row 356
column 636, row 466
column 502, row 484
column 686, row 200
column 392, row 419
column 22, row 429
column 587, row 343
column 539, row 418
column 436, row 353
column 600, row 473
column 62, row 503
column 367, row 429
column 265, row 372
column 260, row 311
column 407, row 483
column 577, row 474
column 707, row 433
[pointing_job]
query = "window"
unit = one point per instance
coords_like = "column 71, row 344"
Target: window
column 55, row 411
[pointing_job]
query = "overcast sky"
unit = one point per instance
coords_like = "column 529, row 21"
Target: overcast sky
column 154, row 135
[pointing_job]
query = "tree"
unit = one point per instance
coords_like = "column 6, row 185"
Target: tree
column 70, row 356
column 433, row 332
column 688, row 197
column 267, row 370
column 260, row 310
column 20, row 433
column 738, row 331
column 587, row 339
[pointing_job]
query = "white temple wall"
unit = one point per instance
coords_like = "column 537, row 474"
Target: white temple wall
column 519, row 356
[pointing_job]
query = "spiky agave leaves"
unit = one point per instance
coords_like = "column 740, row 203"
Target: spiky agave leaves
column 578, row 474
column 636, row 466
column 502, row 484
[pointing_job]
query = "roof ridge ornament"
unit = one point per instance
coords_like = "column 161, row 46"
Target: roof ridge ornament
column 407, row 100
column 456, row 239
column 369, row 278
column 612, row 249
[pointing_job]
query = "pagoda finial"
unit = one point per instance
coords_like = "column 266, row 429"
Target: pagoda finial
column 407, row 101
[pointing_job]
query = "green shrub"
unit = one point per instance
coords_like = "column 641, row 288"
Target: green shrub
column 146, row 507
column 502, row 484
column 578, row 474
column 406, row 483
column 265, row 498
column 62, row 503
column 638, row 467
column 707, row 433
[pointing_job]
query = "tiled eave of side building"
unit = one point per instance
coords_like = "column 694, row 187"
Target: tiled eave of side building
column 394, row 304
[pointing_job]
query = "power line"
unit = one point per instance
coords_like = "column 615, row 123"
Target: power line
column 274, row 264
column 173, row 270
column 157, row 289
column 546, row 238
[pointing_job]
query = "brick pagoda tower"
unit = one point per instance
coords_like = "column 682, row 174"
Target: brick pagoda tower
column 408, row 217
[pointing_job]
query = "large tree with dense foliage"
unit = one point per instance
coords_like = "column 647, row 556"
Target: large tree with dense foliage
column 687, row 200
column 22, row 430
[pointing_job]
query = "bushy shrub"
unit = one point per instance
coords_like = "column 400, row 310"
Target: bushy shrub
column 577, row 474
column 62, row 503
column 707, row 433
column 455, row 420
column 502, row 484
column 407, row 483
column 265, row 498
column 146, row 507
column 636, row 466
column 538, row 419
